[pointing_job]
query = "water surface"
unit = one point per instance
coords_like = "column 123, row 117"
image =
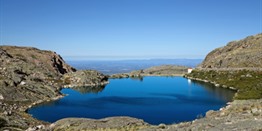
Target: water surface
column 154, row 99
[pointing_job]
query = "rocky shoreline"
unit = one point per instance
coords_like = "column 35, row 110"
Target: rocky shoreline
column 212, row 82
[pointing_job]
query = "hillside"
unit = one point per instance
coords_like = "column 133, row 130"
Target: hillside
column 245, row 53
column 29, row 76
column 238, row 66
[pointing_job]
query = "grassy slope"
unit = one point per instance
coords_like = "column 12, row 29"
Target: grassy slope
column 247, row 82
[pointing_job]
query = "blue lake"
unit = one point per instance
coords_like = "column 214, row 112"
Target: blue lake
column 154, row 99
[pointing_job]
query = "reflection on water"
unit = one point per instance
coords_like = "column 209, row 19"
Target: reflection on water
column 154, row 99
column 89, row 89
column 220, row 93
column 140, row 78
column 189, row 81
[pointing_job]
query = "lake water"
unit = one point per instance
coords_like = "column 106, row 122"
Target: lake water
column 154, row 99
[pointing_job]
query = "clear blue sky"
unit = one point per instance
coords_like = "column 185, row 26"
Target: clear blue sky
column 122, row 29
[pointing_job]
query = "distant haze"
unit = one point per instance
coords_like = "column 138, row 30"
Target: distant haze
column 125, row 66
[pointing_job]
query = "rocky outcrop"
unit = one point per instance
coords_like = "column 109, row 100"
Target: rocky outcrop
column 48, row 61
column 119, row 76
column 245, row 53
column 27, row 76
column 84, row 78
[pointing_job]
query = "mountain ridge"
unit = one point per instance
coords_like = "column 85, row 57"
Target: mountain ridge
column 244, row 53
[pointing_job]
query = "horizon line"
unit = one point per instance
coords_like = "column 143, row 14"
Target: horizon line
column 122, row 59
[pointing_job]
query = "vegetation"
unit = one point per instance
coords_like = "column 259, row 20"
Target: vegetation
column 33, row 56
column 247, row 82
column 2, row 122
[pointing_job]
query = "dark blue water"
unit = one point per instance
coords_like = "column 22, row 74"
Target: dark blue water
column 154, row 99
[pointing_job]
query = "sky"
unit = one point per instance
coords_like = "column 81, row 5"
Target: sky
column 128, row 29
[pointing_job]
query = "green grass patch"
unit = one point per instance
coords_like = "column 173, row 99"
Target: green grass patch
column 247, row 82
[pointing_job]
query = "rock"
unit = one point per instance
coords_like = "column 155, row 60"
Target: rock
column 31, row 129
column 40, row 127
column 224, row 86
column 52, row 126
column 119, row 76
column 206, row 81
column 1, row 97
column 222, row 114
column 254, row 110
column 8, row 113
column 248, row 75
column 162, row 126
column 22, row 83
column 84, row 78
column 210, row 113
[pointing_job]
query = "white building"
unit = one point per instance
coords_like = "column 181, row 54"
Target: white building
column 189, row 70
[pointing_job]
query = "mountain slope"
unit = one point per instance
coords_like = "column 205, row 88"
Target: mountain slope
column 29, row 74
column 245, row 53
